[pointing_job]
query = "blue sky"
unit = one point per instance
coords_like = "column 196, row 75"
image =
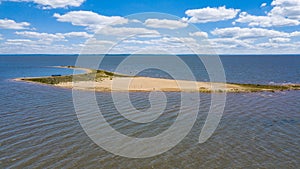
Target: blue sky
column 229, row 26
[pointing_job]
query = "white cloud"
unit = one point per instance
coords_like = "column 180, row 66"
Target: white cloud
column 296, row 33
column 35, row 45
column 283, row 13
column 231, row 43
column 263, row 5
column 286, row 8
column 78, row 34
column 1, row 38
column 91, row 20
column 266, row 21
column 149, row 35
column 42, row 36
column 276, row 48
column 102, row 24
column 279, row 40
column 246, row 46
column 254, row 40
column 95, row 46
column 49, row 37
column 126, row 31
column 37, row 48
column 11, row 24
column 164, row 40
column 54, row 3
column 95, row 42
column 200, row 34
column 165, row 23
column 135, row 21
column 237, row 32
column 170, row 44
column 164, row 44
column 18, row 41
column 210, row 14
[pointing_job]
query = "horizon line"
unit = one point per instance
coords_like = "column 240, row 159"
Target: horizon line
column 151, row 54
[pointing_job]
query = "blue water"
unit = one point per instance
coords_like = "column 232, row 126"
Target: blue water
column 39, row 127
column 239, row 69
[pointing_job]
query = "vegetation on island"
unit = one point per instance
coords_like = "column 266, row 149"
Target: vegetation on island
column 271, row 88
column 100, row 75
column 92, row 75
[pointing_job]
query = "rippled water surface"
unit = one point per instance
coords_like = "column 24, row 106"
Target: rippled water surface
column 39, row 127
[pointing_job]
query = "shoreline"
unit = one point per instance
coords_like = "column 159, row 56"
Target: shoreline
column 86, row 71
column 104, row 81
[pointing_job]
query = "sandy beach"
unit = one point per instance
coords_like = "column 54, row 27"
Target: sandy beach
column 103, row 81
column 146, row 84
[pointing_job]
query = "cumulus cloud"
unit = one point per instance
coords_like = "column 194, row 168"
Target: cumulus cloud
column 246, row 46
column 164, row 40
column 165, row 23
column 95, row 42
column 78, row 34
column 272, row 47
column 36, row 47
column 49, row 37
column 266, row 21
column 11, row 24
column 163, row 44
column 53, row 3
column 254, row 40
column 199, row 33
column 89, row 19
column 279, row 40
column 296, row 33
column 18, row 41
column 286, row 8
column 263, row 5
column 208, row 14
column 43, row 36
column 237, row 32
column 36, row 42
column 283, row 13
column 231, row 43
column 126, row 31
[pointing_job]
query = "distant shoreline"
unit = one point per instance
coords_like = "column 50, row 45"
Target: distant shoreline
column 76, row 55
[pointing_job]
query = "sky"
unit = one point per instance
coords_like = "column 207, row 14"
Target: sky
column 177, row 26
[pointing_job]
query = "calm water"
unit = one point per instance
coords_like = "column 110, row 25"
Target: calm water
column 39, row 127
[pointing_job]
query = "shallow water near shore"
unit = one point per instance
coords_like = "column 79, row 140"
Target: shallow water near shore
column 39, row 127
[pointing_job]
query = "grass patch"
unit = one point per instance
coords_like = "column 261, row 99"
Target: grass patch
column 94, row 75
column 271, row 88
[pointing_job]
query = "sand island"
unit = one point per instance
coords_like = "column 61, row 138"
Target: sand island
column 101, row 80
